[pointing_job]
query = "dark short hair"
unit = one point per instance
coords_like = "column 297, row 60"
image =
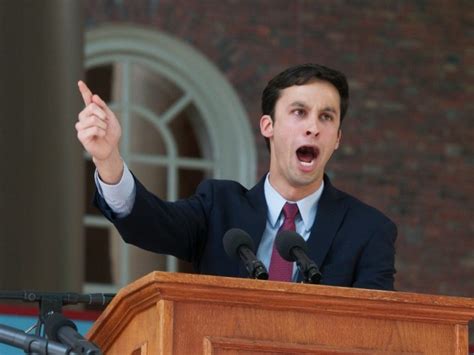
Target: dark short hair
column 300, row 75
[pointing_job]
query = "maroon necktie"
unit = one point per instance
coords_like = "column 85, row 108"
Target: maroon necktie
column 280, row 269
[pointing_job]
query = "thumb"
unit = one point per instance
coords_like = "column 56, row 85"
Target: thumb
column 101, row 103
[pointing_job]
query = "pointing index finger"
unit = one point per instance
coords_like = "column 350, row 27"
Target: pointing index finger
column 85, row 92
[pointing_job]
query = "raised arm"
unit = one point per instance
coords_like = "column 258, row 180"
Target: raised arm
column 99, row 132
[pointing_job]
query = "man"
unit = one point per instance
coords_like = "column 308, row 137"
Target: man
column 303, row 108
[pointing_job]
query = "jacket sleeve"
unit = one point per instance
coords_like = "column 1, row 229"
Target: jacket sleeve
column 376, row 266
column 176, row 228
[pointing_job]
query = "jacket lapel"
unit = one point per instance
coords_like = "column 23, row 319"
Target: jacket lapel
column 253, row 219
column 329, row 216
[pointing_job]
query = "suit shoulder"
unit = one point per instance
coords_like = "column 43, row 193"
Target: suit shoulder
column 218, row 186
column 361, row 209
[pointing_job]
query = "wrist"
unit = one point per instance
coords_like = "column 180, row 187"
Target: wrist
column 110, row 169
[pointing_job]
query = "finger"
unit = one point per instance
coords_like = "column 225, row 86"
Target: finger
column 97, row 100
column 91, row 121
column 92, row 110
column 96, row 110
column 90, row 133
column 85, row 92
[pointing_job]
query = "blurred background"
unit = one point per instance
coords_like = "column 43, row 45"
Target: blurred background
column 185, row 79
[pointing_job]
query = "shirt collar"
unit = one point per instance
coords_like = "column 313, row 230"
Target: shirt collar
column 307, row 205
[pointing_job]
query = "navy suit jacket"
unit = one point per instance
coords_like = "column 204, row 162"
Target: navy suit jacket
column 351, row 242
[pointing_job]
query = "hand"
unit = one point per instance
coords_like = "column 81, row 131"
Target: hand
column 99, row 132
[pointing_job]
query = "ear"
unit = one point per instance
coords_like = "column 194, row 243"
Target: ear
column 339, row 137
column 266, row 126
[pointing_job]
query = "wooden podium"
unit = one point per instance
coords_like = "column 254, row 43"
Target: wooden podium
column 169, row 313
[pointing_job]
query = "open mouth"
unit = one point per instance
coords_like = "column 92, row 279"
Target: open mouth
column 307, row 154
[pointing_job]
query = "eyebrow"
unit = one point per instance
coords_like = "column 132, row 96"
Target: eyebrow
column 330, row 109
column 304, row 105
column 298, row 104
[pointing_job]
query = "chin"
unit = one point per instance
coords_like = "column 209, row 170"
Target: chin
column 301, row 181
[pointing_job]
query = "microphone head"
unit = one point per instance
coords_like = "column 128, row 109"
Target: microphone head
column 233, row 239
column 287, row 240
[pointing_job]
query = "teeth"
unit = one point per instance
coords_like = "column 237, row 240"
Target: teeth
column 307, row 164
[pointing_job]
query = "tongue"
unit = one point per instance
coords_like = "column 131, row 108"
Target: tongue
column 305, row 155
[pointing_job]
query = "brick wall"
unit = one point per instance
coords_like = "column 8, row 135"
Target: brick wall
column 408, row 136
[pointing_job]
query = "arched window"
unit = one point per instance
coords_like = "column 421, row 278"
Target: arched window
column 182, row 122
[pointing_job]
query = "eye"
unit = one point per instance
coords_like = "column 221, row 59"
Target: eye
column 326, row 117
column 299, row 112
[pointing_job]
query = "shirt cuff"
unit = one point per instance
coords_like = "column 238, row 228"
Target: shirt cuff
column 121, row 196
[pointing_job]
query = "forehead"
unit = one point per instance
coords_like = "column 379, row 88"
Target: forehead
column 314, row 93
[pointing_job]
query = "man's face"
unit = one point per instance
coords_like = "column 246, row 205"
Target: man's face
column 302, row 137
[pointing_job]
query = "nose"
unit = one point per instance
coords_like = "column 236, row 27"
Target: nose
column 313, row 128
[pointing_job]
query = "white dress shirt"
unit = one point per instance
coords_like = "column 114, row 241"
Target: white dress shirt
column 304, row 220
column 121, row 196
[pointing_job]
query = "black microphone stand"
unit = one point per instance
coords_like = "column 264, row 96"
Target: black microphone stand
column 31, row 344
column 51, row 303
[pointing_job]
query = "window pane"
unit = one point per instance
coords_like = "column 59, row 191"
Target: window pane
column 154, row 178
column 144, row 137
column 151, row 89
column 189, row 180
column 190, row 134
column 99, row 80
column 97, row 255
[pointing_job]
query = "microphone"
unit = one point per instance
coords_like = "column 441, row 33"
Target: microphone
column 292, row 247
column 65, row 298
column 238, row 244
column 59, row 328
column 31, row 343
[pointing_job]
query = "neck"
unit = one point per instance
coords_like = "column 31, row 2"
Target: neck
column 294, row 193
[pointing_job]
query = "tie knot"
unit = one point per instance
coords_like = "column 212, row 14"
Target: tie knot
column 290, row 210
